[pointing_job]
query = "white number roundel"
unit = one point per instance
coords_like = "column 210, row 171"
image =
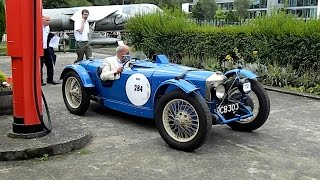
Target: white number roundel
column 138, row 89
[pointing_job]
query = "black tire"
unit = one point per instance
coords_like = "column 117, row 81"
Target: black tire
column 264, row 110
column 84, row 97
column 201, row 109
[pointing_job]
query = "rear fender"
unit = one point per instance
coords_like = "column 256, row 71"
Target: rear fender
column 81, row 71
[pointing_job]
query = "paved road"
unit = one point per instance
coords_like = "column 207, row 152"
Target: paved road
column 125, row 147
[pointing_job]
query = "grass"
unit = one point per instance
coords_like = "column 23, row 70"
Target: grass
column 84, row 152
column 45, row 157
column 3, row 49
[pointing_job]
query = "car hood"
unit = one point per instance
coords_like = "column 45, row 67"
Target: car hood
column 168, row 71
column 176, row 70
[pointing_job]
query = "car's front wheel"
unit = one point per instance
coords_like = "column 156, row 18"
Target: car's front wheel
column 183, row 120
column 76, row 97
column 258, row 100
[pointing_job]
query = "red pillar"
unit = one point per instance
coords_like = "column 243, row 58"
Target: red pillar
column 24, row 43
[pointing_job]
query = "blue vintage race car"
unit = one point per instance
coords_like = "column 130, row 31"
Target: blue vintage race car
column 185, row 102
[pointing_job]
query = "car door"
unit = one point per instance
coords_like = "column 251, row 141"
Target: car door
column 132, row 92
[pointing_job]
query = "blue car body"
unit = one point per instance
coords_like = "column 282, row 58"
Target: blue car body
column 163, row 78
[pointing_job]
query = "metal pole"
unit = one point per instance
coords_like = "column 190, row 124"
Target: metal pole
column 24, row 42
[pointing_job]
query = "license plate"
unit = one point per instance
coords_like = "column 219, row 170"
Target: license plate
column 228, row 108
column 246, row 87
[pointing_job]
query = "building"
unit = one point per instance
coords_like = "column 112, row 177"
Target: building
column 300, row 8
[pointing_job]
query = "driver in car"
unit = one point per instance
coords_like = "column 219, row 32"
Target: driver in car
column 113, row 66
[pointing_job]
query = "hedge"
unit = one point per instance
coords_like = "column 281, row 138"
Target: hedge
column 2, row 19
column 279, row 37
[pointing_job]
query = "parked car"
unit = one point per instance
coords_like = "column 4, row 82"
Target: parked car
column 185, row 102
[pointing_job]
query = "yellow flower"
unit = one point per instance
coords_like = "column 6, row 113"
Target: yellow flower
column 235, row 50
column 229, row 58
column 255, row 53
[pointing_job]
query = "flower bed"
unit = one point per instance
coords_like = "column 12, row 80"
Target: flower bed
column 5, row 94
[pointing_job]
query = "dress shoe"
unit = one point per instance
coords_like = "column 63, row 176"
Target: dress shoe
column 52, row 82
column 43, row 84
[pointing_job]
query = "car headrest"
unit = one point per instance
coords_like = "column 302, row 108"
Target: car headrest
column 99, row 71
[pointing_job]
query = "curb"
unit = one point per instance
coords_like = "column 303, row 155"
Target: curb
column 63, row 139
column 284, row 91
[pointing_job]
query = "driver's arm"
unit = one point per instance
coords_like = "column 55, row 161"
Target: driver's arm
column 107, row 72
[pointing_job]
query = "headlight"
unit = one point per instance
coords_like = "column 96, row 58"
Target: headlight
column 220, row 91
column 212, row 82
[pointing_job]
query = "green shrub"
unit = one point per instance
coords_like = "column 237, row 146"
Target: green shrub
column 3, row 77
column 2, row 19
column 279, row 38
column 282, row 50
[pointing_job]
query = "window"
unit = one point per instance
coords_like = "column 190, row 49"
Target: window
column 314, row 2
column 190, row 8
column 231, row 5
column 313, row 12
column 255, row 4
column 263, row 3
column 306, row 2
column 292, row 3
column 225, row 6
column 252, row 15
column 299, row 12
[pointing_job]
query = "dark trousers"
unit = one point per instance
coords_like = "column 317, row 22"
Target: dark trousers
column 83, row 48
column 45, row 59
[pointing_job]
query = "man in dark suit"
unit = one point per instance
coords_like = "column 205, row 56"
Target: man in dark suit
column 48, row 59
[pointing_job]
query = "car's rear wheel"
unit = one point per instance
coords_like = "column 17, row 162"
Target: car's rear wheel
column 183, row 120
column 76, row 97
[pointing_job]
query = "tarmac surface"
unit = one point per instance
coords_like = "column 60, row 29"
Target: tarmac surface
column 287, row 146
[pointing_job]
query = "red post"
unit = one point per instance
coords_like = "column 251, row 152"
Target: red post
column 24, row 43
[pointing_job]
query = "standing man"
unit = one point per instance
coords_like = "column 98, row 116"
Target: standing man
column 46, row 58
column 81, row 34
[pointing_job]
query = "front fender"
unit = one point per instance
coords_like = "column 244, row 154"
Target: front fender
column 244, row 72
column 81, row 71
column 186, row 86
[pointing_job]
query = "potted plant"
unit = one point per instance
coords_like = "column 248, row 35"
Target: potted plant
column 5, row 94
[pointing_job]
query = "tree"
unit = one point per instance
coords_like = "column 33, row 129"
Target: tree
column 76, row 3
column 231, row 17
column 99, row 2
column 161, row 3
column 197, row 11
column 241, row 7
column 204, row 10
column 219, row 16
column 50, row 4
column 2, row 19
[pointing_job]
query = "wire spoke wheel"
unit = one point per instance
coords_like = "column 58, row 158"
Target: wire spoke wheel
column 183, row 120
column 73, row 92
column 76, row 97
column 180, row 120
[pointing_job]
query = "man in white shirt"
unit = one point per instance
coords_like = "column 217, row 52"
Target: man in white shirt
column 112, row 67
column 81, row 34
column 46, row 59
